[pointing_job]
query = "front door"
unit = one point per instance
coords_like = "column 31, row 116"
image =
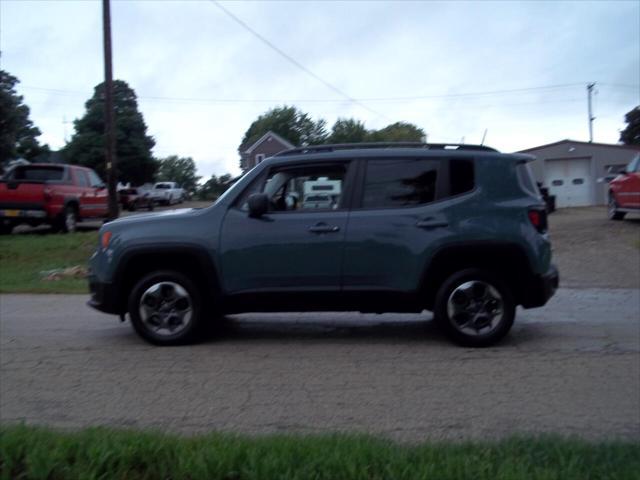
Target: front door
column 99, row 195
column 297, row 245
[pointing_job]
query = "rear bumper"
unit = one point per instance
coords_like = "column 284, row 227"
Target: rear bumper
column 104, row 297
column 541, row 288
column 16, row 212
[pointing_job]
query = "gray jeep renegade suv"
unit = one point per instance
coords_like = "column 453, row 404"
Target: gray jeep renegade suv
column 459, row 230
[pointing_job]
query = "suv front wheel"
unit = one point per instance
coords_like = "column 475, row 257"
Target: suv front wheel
column 166, row 308
column 475, row 308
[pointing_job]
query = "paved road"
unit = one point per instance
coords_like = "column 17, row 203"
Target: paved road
column 572, row 368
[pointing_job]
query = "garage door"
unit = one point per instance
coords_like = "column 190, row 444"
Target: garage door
column 570, row 181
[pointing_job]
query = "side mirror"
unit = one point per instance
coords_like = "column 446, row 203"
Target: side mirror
column 258, row 205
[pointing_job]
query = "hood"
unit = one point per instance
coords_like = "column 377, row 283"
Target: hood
column 151, row 216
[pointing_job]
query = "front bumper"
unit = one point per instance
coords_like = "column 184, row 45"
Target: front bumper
column 541, row 288
column 104, row 297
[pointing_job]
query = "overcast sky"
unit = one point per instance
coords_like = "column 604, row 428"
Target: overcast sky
column 201, row 78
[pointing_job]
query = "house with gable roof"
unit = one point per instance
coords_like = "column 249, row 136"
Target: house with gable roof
column 266, row 146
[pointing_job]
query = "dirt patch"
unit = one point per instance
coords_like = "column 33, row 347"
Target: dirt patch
column 593, row 251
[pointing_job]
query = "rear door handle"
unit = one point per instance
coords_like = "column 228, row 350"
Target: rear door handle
column 324, row 228
column 428, row 224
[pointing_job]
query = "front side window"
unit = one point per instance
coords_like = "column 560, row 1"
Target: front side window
column 400, row 182
column 95, row 180
column 306, row 188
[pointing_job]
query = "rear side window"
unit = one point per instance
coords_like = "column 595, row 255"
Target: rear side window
column 39, row 174
column 400, row 182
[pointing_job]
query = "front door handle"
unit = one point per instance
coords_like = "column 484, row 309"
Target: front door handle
column 324, row 228
column 429, row 224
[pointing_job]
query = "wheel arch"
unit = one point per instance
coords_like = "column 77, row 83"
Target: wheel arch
column 506, row 259
column 190, row 260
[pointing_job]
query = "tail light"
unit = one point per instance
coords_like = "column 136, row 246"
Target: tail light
column 538, row 218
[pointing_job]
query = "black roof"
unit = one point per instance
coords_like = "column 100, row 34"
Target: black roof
column 384, row 145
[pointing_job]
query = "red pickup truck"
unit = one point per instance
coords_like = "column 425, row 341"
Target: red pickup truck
column 54, row 194
column 624, row 191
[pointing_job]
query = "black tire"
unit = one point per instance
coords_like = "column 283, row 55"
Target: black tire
column 473, row 278
column 612, row 209
column 190, row 332
column 67, row 221
column 150, row 206
column 132, row 207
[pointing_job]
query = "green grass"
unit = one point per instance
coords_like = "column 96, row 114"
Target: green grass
column 23, row 257
column 37, row 453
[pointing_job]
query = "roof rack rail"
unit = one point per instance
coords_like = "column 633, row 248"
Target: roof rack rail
column 373, row 145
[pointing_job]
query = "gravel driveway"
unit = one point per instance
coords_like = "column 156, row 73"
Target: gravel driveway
column 572, row 367
column 593, row 251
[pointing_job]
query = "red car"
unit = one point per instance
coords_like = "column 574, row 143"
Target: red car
column 624, row 191
column 54, row 194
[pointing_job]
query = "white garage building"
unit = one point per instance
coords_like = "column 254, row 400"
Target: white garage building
column 571, row 169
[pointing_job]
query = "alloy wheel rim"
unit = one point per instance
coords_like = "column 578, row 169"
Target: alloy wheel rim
column 166, row 308
column 70, row 221
column 612, row 206
column 475, row 308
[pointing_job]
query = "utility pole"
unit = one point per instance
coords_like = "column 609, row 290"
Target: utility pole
column 590, row 87
column 109, row 134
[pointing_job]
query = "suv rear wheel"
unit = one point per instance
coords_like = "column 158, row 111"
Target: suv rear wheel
column 166, row 308
column 475, row 308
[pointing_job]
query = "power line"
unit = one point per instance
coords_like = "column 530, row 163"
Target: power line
column 320, row 100
column 292, row 60
column 621, row 85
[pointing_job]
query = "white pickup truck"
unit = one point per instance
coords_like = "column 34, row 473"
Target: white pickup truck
column 167, row 193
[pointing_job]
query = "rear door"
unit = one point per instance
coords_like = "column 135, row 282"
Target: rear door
column 394, row 223
column 297, row 246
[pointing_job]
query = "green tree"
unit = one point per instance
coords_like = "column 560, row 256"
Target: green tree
column 133, row 145
column 18, row 135
column 348, row 130
column 631, row 134
column 290, row 123
column 178, row 169
column 397, row 132
column 214, row 187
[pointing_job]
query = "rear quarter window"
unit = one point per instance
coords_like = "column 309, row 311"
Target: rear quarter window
column 461, row 176
column 39, row 174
